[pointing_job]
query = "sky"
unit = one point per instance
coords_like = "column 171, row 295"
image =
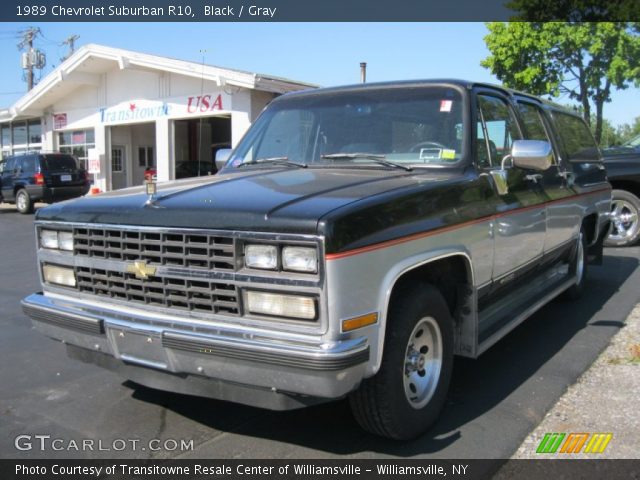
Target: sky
column 326, row 54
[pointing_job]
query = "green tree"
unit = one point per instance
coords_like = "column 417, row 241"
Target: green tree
column 584, row 61
column 610, row 135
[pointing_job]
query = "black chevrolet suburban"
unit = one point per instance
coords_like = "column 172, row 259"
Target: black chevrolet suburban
column 355, row 241
column 41, row 177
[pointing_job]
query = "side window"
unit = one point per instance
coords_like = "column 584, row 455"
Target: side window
column 533, row 124
column 576, row 138
column 497, row 129
column 9, row 165
column 3, row 165
column 29, row 164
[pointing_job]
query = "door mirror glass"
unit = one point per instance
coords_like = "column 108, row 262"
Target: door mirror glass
column 222, row 156
column 532, row 154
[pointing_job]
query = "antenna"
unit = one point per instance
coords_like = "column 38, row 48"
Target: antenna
column 203, row 52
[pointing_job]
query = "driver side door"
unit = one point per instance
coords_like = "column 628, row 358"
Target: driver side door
column 519, row 215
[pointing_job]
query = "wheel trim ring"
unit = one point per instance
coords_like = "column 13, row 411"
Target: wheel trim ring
column 619, row 230
column 419, row 389
column 22, row 201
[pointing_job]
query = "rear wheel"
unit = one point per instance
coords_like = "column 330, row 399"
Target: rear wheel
column 625, row 221
column 23, row 201
column 407, row 394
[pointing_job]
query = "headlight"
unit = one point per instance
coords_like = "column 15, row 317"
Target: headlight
column 300, row 259
column 276, row 305
column 56, row 240
column 49, row 239
column 59, row 275
column 65, row 241
column 264, row 257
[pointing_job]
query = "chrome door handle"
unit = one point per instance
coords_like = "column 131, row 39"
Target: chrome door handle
column 569, row 177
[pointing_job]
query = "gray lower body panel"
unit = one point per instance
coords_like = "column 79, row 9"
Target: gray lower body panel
column 233, row 365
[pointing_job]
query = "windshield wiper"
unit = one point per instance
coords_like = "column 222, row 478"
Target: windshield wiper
column 274, row 161
column 378, row 158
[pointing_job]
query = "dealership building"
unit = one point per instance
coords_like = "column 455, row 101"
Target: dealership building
column 121, row 112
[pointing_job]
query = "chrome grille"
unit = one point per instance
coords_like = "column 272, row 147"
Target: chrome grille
column 194, row 295
column 179, row 249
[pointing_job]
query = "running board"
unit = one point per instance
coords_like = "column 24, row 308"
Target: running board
column 524, row 314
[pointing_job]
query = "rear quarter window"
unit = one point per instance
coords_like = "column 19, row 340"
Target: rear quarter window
column 576, row 138
column 28, row 164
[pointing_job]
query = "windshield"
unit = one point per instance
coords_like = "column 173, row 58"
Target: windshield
column 417, row 126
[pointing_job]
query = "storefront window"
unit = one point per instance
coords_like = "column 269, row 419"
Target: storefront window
column 20, row 133
column 77, row 143
column 6, row 135
column 35, row 131
column 64, row 138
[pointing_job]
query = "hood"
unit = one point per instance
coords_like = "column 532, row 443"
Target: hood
column 267, row 200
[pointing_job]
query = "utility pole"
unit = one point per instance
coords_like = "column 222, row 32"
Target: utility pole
column 71, row 41
column 32, row 57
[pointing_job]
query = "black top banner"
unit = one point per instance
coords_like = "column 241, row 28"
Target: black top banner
column 317, row 10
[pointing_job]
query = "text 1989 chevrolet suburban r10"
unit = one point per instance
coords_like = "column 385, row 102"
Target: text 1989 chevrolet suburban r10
column 357, row 239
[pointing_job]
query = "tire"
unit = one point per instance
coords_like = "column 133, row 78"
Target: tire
column 625, row 219
column 23, row 202
column 578, row 267
column 386, row 404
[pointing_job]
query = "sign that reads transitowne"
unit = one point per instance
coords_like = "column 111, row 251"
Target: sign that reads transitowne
column 136, row 111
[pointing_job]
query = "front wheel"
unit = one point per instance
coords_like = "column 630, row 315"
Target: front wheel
column 23, row 201
column 407, row 394
column 625, row 222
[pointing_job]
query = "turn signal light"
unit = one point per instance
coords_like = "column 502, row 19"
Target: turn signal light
column 359, row 322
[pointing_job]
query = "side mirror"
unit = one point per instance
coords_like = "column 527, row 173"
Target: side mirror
column 532, row 154
column 222, row 156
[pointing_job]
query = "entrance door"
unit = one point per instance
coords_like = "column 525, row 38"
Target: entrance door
column 118, row 167
column 146, row 161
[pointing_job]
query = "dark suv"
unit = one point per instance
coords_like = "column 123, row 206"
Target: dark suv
column 37, row 177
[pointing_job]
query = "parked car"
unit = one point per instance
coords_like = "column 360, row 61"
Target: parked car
column 355, row 241
column 623, row 171
column 193, row 168
column 41, row 177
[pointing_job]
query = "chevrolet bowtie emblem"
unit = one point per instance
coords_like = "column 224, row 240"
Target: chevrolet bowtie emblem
column 141, row 270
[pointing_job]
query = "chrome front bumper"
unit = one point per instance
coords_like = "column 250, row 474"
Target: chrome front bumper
column 273, row 363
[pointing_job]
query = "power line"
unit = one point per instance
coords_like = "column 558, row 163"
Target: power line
column 71, row 42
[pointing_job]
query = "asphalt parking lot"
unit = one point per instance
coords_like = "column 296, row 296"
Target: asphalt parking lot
column 494, row 403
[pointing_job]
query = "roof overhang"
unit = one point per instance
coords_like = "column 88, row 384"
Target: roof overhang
column 90, row 62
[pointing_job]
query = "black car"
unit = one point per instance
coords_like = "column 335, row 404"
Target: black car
column 623, row 171
column 38, row 177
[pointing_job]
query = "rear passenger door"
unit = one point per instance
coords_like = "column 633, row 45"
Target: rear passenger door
column 520, row 225
column 555, row 185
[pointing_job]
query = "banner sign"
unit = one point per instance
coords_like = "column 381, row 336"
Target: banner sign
column 318, row 11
